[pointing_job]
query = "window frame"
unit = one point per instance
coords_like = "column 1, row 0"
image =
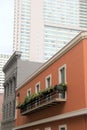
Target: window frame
column 46, row 84
column 59, row 73
column 63, row 126
column 48, row 128
column 38, row 83
column 28, row 90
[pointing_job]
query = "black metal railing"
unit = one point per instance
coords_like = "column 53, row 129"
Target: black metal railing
column 44, row 101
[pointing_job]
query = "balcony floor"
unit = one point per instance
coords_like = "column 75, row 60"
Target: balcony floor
column 44, row 105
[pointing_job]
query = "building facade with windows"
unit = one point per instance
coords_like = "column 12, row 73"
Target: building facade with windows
column 1, row 102
column 3, row 60
column 40, row 30
column 15, row 71
column 57, row 91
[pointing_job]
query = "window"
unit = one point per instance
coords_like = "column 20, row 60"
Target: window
column 29, row 92
column 49, row 128
column 63, row 127
column 48, row 81
column 7, row 89
column 37, row 87
column 62, row 74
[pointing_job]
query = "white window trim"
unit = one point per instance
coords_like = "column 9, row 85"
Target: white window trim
column 48, row 128
column 38, row 83
column 63, row 66
column 46, row 80
column 61, row 126
column 28, row 90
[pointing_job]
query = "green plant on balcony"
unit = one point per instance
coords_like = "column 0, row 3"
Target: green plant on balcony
column 62, row 87
column 45, row 91
column 34, row 96
column 28, row 99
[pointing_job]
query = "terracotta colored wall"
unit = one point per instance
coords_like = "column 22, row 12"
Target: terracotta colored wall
column 85, row 68
column 85, row 121
column 75, row 79
column 77, row 124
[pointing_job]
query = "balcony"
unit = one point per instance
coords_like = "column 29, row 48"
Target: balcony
column 44, row 100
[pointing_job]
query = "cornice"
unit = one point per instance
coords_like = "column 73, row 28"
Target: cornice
column 64, row 50
column 79, row 112
column 12, row 59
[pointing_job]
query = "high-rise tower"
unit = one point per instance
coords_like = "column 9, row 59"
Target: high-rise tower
column 42, row 27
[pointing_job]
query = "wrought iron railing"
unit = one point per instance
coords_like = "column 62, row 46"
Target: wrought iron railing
column 44, row 101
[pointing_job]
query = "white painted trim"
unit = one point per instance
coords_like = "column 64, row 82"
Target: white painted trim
column 54, row 118
column 49, row 76
column 48, row 128
column 64, row 50
column 38, row 83
column 62, row 126
column 59, row 74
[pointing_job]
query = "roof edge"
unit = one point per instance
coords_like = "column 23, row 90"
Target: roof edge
column 65, row 49
column 14, row 55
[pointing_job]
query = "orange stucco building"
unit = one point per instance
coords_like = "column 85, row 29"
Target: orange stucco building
column 56, row 109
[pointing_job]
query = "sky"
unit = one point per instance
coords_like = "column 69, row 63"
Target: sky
column 6, row 26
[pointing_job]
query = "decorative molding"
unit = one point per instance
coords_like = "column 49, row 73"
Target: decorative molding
column 62, row 126
column 54, row 118
column 48, row 76
column 59, row 73
column 12, row 59
column 38, row 83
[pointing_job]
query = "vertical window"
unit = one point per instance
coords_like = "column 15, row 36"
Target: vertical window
column 7, row 111
column 62, row 74
column 62, row 127
column 4, row 91
column 10, row 87
column 29, row 92
column 10, row 106
column 37, row 87
column 48, row 81
column 13, row 108
column 7, row 89
column 4, row 112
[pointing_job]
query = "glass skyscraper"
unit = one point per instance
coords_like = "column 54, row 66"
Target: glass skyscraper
column 43, row 27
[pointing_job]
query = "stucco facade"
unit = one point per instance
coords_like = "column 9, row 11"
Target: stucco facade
column 68, row 66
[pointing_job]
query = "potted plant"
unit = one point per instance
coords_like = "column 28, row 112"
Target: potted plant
column 26, row 100
column 62, row 88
